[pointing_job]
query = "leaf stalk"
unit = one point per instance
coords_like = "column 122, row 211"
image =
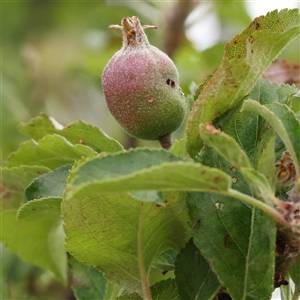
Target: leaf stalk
column 271, row 211
column 143, row 274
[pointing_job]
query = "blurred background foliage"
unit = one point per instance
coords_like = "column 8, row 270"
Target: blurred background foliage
column 53, row 54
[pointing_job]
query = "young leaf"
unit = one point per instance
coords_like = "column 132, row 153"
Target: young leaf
column 246, row 57
column 13, row 183
column 90, row 283
column 259, row 185
column 250, row 131
column 230, row 150
column 51, row 184
column 78, row 132
column 120, row 235
column 286, row 292
column 144, row 170
column 225, row 146
column 194, row 277
column 40, row 233
column 52, row 151
column 40, row 206
column 284, row 122
column 178, row 148
column 265, row 157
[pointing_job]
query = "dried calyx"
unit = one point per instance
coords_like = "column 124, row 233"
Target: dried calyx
column 141, row 87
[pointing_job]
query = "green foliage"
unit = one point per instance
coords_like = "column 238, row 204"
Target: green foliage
column 39, row 231
column 194, row 277
column 207, row 223
column 51, row 151
column 246, row 57
column 163, row 290
column 51, row 184
column 77, row 132
column 116, row 229
column 14, row 182
column 295, row 275
column 90, row 283
column 284, row 121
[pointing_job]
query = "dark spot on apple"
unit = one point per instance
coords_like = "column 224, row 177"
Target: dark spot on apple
column 171, row 83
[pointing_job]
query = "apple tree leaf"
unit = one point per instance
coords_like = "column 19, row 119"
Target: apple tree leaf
column 52, row 151
column 13, row 183
column 39, row 231
column 284, row 122
column 90, row 283
column 246, row 57
column 78, row 132
column 194, row 277
column 51, row 184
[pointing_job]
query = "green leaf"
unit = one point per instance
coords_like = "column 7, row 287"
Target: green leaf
column 78, row 132
column 144, row 170
column 4, row 292
column 162, row 290
column 165, row 290
column 52, row 151
column 229, row 149
column 285, row 292
column 40, row 206
column 40, row 233
column 246, row 56
column 225, row 146
column 238, row 241
column 89, row 283
column 13, row 183
column 120, row 235
column 250, row 131
column 51, row 184
column 284, row 122
column 132, row 296
column 295, row 275
column 166, row 260
column 265, row 158
column 194, row 277
column 259, row 185
column 178, row 148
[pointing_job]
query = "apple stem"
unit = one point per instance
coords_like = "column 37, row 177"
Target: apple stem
column 165, row 141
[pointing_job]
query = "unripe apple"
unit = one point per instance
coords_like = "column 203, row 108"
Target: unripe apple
column 141, row 86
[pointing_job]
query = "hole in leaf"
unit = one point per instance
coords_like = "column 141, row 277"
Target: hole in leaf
column 234, row 180
column 219, row 205
column 233, row 169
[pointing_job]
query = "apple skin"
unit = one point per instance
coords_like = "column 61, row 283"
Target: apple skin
column 141, row 86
